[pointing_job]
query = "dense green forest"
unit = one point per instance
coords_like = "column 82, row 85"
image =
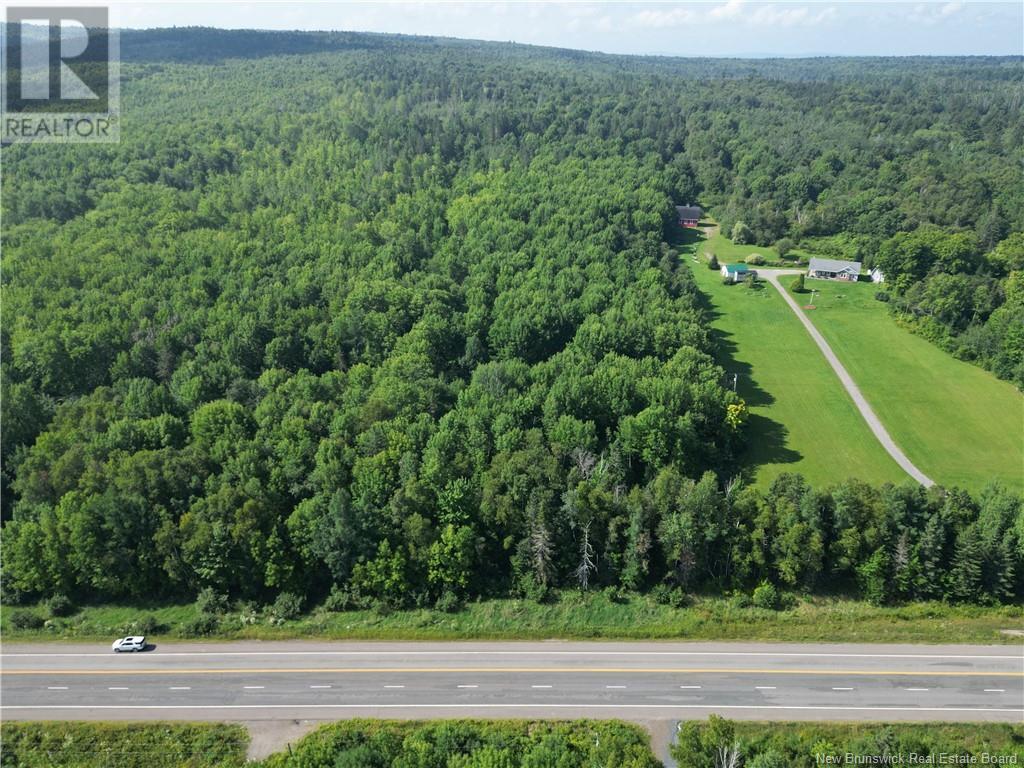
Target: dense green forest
column 393, row 320
column 967, row 300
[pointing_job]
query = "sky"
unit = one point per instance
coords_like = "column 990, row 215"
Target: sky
column 711, row 28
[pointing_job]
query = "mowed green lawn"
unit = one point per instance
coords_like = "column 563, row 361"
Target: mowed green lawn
column 959, row 424
column 729, row 252
column 802, row 420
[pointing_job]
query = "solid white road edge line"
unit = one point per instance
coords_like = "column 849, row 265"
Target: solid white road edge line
column 840, row 708
column 760, row 654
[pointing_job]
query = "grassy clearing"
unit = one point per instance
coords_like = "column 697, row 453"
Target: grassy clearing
column 573, row 615
column 729, row 252
column 961, row 425
column 805, row 745
column 802, row 420
column 126, row 745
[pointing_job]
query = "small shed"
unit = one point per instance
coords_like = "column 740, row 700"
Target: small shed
column 833, row 269
column 737, row 273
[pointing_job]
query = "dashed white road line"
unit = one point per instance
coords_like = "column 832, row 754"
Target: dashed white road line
column 319, row 686
column 469, row 686
column 995, row 690
column 399, row 686
column 690, row 687
column 253, row 687
column 181, row 688
column 56, row 687
column 540, row 686
column 116, row 689
column 842, row 689
column 918, row 690
column 509, row 706
column 615, row 686
column 764, row 687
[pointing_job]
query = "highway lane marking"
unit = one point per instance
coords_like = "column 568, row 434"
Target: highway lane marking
column 842, row 689
column 764, row 687
column 253, row 687
column 319, row 686
column 117, row 689
column 722, row 707
column 918, row 690
column 181, row 688
column 513, row 652
column 690, row 687
column 56, row 687
column 544, row 670
column 995, row 690
column 394, row 686
column 615, row 686
column 540, row 686
column 469, row 686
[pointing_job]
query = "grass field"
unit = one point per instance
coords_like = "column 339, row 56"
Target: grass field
column 802, row 420
column 126, row 745
column 958, row 423
column 594, row 615
column 727, row 251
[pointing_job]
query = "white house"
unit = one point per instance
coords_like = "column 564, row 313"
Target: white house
column 737, row 273
column 833, row 269
column 877, row 276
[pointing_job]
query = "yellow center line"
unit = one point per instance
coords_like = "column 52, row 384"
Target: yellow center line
column 498, row 670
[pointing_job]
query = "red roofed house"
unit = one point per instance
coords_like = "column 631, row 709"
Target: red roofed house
column 689, row 215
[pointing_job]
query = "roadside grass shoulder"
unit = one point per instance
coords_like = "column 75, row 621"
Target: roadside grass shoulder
column 570, row 615
column 960, row 424
column 126, row 745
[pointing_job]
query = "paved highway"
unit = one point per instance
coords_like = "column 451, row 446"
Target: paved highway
column 649, row 681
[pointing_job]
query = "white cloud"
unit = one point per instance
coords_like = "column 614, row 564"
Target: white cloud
column 757, row 14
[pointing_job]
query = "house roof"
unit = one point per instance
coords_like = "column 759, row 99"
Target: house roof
column 737, row 268
column 834, row 265
column 689, row 211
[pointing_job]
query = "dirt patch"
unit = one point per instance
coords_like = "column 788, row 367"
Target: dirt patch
column 269, row 736
column 663, row 733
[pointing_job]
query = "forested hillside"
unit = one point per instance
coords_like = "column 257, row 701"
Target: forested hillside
column 395, row 317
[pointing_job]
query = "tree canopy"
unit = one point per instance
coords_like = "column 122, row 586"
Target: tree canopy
column 397, row 317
